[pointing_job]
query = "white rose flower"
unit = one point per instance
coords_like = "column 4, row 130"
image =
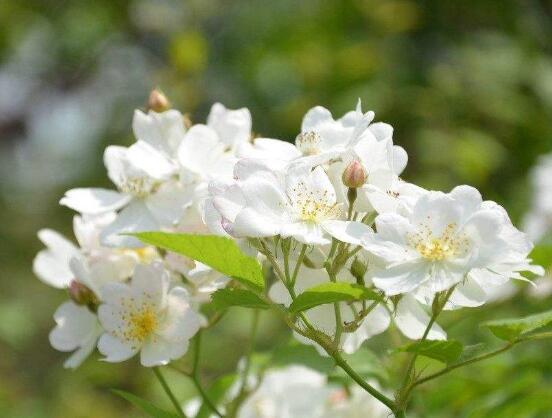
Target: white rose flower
column 145, row 316
column 263, row 203
column 90, row 263
column 148, row 196
column 435, row 245
column 77, row 329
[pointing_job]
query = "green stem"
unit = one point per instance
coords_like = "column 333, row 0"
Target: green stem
column 464, row 363
column 298, row 264
column 406, row 385
column 365, row 385
column 169, row 392
column 250, row 349
column 196, row 378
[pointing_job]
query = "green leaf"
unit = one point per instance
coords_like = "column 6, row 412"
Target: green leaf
column 216, row 393
column 470, row 351
column 144, row 405
column 511, row 329
column 225, row 298
column 219, row 253
column 329, row 293
column 444, row 351
column 306, row 355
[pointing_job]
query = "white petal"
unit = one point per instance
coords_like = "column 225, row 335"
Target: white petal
column 52, row 264
column 164, row 131
column 76, row 329
column 468, row 294
column 143, row 156
column 412, row 320
column 232, row 126
column 182, row 322
column 400, row 159
column 401, row 278
column 136, row 217
column 250, row 223
column 114, row 349
column 200, row 150
column 267, row 148
column 305, row 232
column 159, row 352
column 151, row 281
column 94, row 201
column 315, row 117
column 348, row 231
column 168, row 203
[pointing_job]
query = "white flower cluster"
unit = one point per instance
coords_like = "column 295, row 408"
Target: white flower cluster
column 338, row 185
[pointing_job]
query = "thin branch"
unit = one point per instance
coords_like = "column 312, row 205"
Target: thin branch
column 169, row 392
column 196, row 377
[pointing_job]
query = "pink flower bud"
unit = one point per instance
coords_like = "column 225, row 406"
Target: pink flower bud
column 354, row 175
column 81, row 294
column 158, row 102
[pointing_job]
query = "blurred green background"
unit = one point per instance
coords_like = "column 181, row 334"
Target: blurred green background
column 467, row 86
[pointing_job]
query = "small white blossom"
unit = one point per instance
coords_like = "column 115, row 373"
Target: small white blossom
column 77, row 329
column 149, row 197
column 145, row 316
column 444, row 237
column 298, row 203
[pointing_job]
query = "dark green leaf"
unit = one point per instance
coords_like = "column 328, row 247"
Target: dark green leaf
column 219, row 253
column 144, row 405
column 511, row 329
column 225, row 298
column 329, row 293
column 444, row 351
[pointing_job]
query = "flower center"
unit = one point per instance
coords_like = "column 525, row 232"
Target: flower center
column 308, row 143
column 142, row 323
column 314, row 205
column 432, row 248
column 144, row 255
column 138, row 186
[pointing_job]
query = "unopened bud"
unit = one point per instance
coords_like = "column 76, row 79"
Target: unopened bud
column 158, row 102
column 81, row 294
column 354, row 175
column 358, row 270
